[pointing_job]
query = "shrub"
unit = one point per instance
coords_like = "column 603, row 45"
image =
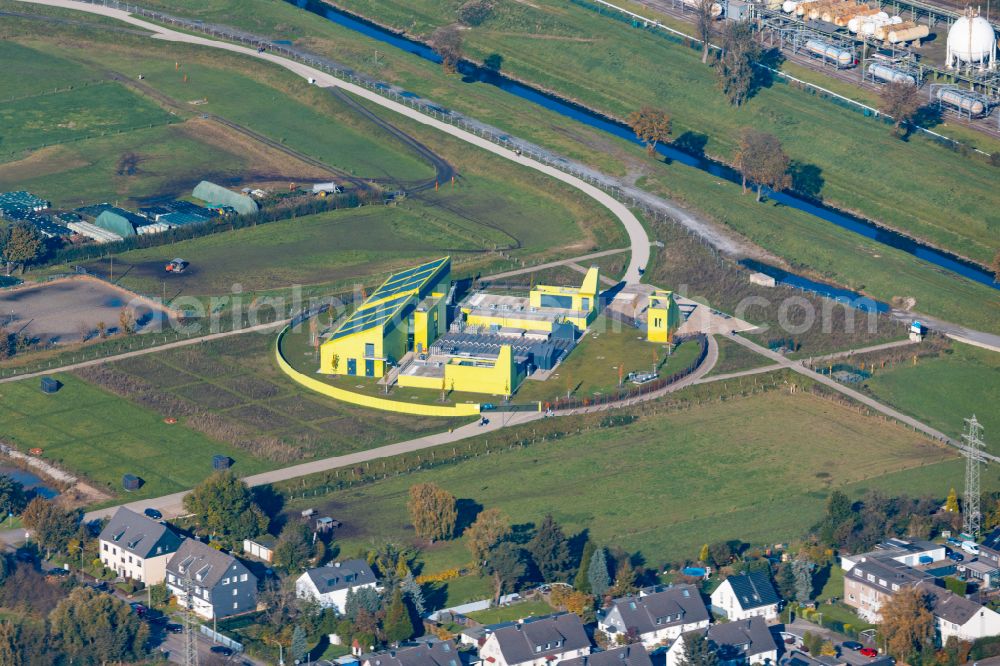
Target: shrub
column 475, row 12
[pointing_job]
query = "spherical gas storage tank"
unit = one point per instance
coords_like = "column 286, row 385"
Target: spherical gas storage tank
column 842, row 57
column 888, row 74
column 971, row 40
column 959, row 100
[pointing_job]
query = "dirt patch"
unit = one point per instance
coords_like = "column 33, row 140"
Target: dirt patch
column 43, row 162
column 262, row 158
column 73, row 309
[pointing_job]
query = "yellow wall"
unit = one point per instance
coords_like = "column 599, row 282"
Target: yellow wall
column 391, row 342
column 583, row 299
column 663, row 316
column 468, row 409
column 414, row 381
column 497, row 378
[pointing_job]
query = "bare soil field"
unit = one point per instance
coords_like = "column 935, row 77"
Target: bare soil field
column 71, row 309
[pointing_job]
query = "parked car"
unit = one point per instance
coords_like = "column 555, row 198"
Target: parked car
column 57, row 572
column 956, row 556
column 869, row 652
column 153, row 513
column 221, row 649
column 174, row 629
column 852, row 645
column 138, row 608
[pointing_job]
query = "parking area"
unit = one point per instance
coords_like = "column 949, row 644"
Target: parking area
column 73, row 310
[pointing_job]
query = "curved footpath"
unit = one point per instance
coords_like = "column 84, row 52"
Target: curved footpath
column 638, row 238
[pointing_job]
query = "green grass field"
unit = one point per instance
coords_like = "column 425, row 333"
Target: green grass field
column 96, row 110
column 945, row 390
column 666, row 484
column 615, row 68
column 734, row 357
column 592, row 369
column 94, row 433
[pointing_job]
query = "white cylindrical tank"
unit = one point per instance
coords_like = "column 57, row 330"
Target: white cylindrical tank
column 959, row 100
column 888, row 74
column 971, row 40
column 842, row 57
column 788, row 6
column 907, row 32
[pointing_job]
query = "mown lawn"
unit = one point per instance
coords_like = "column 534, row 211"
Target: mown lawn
column 92, row 432
column 512, row 612
column 945, row 390
column 757, row 469
column 734, row 357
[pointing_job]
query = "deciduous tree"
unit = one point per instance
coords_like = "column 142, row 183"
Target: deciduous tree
column 94, row 628
column 490, row 527
column 951, row 504
column 651, row 126
column 908, row 624
column 126, row 320
column 12, row 497
column 447, row 43
column 224, row 507
column 549, row 550
column 50, row 525
column 762, row 161
column 505, row 563
column 20, row 244
column 901, row 100
column 735, row 68
column 704, row 22
column 433, row 511
column 294, row 548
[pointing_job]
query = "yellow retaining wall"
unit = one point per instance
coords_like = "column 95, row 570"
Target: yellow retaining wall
column 367, row 400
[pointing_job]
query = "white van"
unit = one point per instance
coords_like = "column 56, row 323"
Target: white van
column 970, row 547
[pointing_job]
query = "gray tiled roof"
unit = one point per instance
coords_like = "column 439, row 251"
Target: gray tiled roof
column 562, row 632
column 206, row 565
column 137, row 534
column 341, row 575
column 658, row 610
column 949, row 606
column 888, row 570
column 753, row 590
column 627, row 655
column 429, row 653
column 747, row 637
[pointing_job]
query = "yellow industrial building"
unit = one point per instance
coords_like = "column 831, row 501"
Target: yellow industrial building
column 497, row 341
column 663, row 316
column 407, row 313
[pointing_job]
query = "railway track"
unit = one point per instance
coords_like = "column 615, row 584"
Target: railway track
column 990, row 125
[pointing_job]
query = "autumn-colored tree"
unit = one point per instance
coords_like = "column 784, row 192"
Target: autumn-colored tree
column 762, row 161
column 735, row 69
column 624, row 579
column 447, row 43
column 95, row 628
column 703, row 553
column 126, row 321
column 50, row 525
column 573, row 601
column 908, row 624
column 951, row 504
column 20, row 244
column 651, row 126
column 901, row 100
column 704, row 22
column 433, row 511
column 490, row 527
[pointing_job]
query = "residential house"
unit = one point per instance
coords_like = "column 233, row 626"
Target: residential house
column 626, row 655
column 137, row 547
column 981, row 570
column 536, row 641
column 655, row 617
column 747, row 595
column 426, row 653
column 747, row 641
column 989, row 549
column 910, row 553
column 872, row 580
column 330, row 584
column 960, row 617
column 221, row 584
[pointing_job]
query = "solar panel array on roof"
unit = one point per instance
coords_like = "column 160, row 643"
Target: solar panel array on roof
column 408, row 280
column 369, row 317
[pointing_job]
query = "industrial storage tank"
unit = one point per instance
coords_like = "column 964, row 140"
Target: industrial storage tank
column 962, row 101
column 827, row 51
column 715, row 11
column 888, row 74
column 789, row 6
column 971, row 41
column 907, row 31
